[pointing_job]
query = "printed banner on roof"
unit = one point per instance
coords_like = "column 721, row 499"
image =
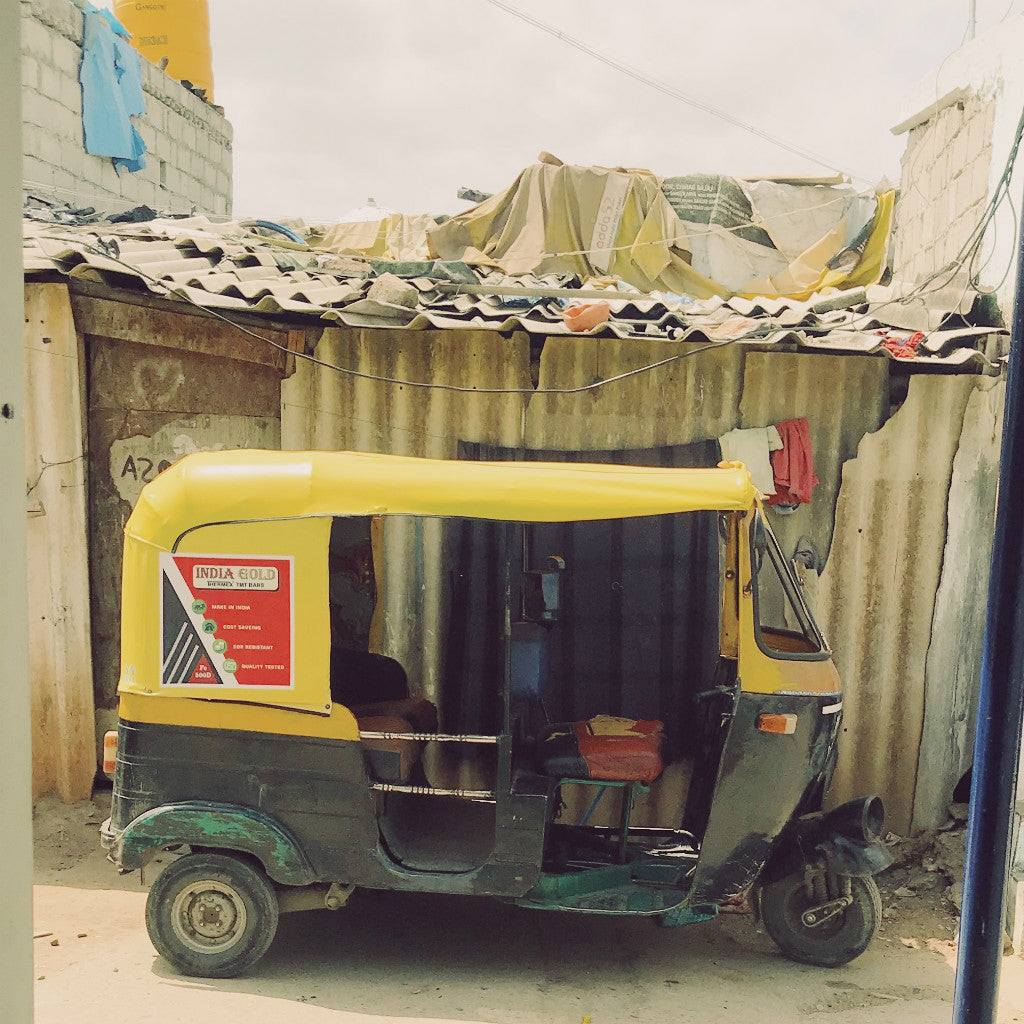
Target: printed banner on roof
column 227, row 620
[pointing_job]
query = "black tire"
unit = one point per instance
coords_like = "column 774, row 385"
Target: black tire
column 211, row 915
column 835, row 941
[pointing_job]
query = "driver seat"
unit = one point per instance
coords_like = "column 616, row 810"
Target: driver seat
column 603, row 748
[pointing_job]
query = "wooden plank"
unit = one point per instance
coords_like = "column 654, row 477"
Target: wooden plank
column 60, row 654
column 134, row 318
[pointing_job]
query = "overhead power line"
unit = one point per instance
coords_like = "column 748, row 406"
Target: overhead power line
column 670, row 90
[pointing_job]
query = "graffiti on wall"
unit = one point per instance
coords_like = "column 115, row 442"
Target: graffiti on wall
column 135, row 461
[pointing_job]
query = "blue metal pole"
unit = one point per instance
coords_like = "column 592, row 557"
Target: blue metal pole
column 1000, row 709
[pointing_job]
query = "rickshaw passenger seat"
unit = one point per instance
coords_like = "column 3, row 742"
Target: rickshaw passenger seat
column 375, row 689
column 419, row 712
column 390, row 760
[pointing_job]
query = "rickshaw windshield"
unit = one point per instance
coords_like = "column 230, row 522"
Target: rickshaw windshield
column 783, row 623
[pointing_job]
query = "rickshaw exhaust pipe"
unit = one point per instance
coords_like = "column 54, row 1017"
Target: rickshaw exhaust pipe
column 862, row 820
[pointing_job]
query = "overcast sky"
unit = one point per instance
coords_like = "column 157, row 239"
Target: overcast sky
column 334, row 101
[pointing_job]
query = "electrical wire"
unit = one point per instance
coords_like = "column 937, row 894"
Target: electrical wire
column 970, row 247
column 381, row 378
column 666, row 89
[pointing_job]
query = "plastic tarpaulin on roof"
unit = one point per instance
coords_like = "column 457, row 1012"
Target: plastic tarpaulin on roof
column 112, row 94
column 702, row 235
column 397, row 236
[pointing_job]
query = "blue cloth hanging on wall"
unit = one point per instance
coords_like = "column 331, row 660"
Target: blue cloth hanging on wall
column 111, row 78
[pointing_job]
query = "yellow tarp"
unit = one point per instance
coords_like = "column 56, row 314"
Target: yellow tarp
column 596, row 222
column 399, row 236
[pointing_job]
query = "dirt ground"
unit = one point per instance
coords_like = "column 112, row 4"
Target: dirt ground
column 424, row 959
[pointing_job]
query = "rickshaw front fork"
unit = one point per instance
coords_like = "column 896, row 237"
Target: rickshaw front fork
column 827, row 894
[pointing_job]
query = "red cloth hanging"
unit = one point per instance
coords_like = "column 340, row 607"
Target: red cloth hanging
column 793, row 464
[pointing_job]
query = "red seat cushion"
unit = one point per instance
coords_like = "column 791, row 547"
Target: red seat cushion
column 620, row 749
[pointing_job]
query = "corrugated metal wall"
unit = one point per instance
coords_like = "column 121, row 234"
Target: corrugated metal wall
column 877, row 595
column 843, row 398
column 877, row 598
column 953, row 666
column 689, row 400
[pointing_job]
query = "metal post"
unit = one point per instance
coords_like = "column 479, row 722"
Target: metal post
column 15, row 733
column 1000, row 710
column 972, row 19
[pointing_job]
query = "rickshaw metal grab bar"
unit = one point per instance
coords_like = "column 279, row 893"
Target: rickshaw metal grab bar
column 235, row 746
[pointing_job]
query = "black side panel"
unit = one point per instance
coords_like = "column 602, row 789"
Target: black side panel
column 316, row 788
column 764, row 779
column 319, row 791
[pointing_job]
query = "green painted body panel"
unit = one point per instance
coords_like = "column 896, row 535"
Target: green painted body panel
column 219, row 826
column 643, row 888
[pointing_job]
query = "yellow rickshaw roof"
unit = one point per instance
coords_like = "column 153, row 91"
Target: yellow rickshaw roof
column 248, row 485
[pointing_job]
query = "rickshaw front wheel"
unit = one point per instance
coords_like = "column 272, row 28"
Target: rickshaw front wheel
column 819, row 918
column 211, row 915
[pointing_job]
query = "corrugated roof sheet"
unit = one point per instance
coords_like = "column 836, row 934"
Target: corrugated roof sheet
column 226, row 267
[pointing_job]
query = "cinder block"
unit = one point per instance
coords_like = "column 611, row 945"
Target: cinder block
column 47, row 147
column 71, row 94
column 960, row 155
column 49, row 81
column 38, row 109
column 156, row 115
column 980, row 131
column 73, row 158
column 35, row 172
column 29, row 72
column 980, row 175
column 173, row 182
column 66, row 55
column 36, row 40
column 65, row 18
column 965, row 194
column 108, row 176
column 148, row 132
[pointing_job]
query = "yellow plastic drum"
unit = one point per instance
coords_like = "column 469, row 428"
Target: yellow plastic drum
column 176, row 29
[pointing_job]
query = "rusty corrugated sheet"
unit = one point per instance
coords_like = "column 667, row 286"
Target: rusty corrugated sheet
column 953, row 668
column 842, row 398
column 321, row 408
column 877, row 593
column 226, row 267
column 688, row 400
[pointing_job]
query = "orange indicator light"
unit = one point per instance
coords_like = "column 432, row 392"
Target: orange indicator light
column 109, row 752
column 781, row 725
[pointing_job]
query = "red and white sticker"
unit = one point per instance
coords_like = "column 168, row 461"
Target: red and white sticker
column 227, row 620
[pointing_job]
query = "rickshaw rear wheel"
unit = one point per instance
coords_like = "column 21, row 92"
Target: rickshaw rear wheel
column 839, row 938
column 212, row 915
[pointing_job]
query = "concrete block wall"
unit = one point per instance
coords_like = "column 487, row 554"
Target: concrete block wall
column 943, row 187
column 188, row 158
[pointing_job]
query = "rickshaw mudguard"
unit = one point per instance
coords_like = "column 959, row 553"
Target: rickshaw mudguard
column 762, row 778
column 217, row 826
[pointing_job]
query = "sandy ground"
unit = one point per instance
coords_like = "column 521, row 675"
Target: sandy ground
column 426, row 959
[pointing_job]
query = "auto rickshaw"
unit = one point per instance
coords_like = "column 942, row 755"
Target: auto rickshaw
column 575, row 687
